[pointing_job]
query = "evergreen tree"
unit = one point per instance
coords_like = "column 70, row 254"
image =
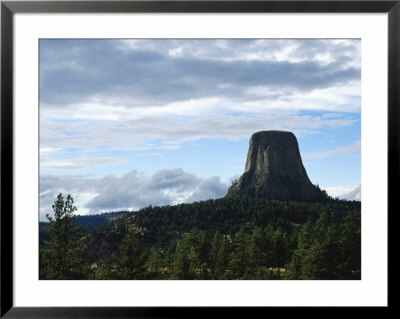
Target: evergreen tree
column 64, row 256
column 201, row 253
column 168, row 263
column 259, row 248
column 305, row 262
column 223, row 258
column 239, row 259
column 281, row 247
column 153, row 266
column 350, row 243
column 183, row 261
column 132, row 258
column 329, row 249
column 214, row 254
column 269, row 246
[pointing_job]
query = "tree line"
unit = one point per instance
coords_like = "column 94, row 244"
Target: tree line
column 163, row 226
column 325, row 246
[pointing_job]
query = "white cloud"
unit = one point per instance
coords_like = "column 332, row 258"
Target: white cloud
column 143, row 94
column 132, row 190
column 168, row 127
column 158, row 72
column 292, row 50
column 352, row 192
column 77, row 163
column 343, row 150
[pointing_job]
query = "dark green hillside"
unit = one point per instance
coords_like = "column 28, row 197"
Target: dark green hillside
column 161, row 227
column 237, row 237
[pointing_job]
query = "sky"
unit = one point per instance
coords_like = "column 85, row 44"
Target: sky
column 128, row 123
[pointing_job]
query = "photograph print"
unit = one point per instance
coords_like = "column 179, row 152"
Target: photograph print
column 199, row 159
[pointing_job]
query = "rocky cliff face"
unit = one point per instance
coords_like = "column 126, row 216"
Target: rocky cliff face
column 274, row 169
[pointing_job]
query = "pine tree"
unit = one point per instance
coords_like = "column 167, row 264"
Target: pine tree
column 168, row 263
column 183, row 261
column 215, row 248
column 281, row 245
column 223, row 258
column 201, row 254
column 153, row 266
column 132, row 258
column 350, row 242
column 240, row 257
column 259, row 249
column 64, row 256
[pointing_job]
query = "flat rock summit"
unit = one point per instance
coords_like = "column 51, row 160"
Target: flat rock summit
column 274, row 169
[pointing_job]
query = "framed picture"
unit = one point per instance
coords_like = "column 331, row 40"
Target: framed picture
column 181, row 154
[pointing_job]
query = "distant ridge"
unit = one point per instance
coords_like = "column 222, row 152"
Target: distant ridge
column 93, row 220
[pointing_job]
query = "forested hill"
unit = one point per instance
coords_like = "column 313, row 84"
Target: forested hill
column 236, row 237
column 162, row 226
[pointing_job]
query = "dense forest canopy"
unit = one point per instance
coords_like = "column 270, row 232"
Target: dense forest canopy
column 237, row 237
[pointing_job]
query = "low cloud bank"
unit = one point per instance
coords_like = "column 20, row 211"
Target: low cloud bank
column 355, row 194
column 132, row 190
column 345, row 192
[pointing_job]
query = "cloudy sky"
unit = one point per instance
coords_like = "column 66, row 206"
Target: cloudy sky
column 129, row 123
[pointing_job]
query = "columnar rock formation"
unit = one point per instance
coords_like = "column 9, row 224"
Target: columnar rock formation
column 274, row 169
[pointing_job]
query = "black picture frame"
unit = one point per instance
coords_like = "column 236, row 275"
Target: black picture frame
column 9, row 8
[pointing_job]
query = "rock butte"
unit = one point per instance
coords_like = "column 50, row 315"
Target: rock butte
column 274, row 169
